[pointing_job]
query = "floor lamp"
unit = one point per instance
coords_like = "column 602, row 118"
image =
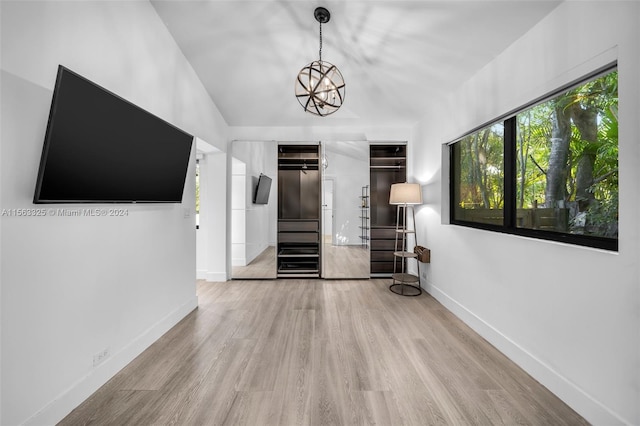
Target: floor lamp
column 405, row 195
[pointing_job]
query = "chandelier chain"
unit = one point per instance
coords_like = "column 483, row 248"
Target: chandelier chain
column 320, row 52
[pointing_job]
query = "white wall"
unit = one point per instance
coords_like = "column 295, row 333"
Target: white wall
column 211, row 244
column 238, row 189
column 74, row 286
column 569, row 315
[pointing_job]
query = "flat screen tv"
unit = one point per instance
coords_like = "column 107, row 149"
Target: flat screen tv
column 261, row 195
column 100, row 148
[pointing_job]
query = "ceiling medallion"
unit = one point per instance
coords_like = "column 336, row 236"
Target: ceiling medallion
column 320, row 85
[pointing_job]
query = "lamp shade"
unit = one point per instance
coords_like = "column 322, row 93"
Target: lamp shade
column 405, row 193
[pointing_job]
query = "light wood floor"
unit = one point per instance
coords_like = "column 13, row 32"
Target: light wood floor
column 338, row 262
column 316, row 352
column 345, row 261
column 263, row 266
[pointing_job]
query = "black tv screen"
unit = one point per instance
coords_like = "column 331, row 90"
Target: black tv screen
column 100, row 148
column 261, row 196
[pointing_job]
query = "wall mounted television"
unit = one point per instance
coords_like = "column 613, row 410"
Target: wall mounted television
column 261, row 195
column 101, row 148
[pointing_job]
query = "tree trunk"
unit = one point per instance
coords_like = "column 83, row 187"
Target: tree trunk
column 523, row 154
column 479, row 152
column 557, row 171
column 473, row 172
column 482, row 160
column 586, row 120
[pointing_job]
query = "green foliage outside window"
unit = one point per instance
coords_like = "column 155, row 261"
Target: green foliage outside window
column 564, row 157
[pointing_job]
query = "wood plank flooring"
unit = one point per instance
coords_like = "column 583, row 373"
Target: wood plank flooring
column 317, row 352
column 339, row 262
column 263, row 266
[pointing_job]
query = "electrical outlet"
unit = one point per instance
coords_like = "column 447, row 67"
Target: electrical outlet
column 186, row 212
column 424, row 275
column 100, row 357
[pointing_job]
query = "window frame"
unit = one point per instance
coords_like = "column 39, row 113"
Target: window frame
column 509, row 211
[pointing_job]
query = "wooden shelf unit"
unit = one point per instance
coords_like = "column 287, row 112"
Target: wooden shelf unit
column 364, row 217
column 387, row 165
column 298, row 250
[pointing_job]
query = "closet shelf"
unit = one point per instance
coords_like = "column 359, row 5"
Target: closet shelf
column 298, row 253
column 297, row 269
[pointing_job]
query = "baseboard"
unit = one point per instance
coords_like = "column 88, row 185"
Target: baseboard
column 201, row 274
column 216, row 276
column 83, row 388
column 584, row 404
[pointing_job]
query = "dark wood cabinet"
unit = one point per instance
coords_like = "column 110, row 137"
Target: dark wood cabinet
column 298, row 211
column 387, row 165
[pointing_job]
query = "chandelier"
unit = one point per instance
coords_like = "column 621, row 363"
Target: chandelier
column 320, row 85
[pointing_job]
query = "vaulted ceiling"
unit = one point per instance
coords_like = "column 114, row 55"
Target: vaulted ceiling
column 396, row 56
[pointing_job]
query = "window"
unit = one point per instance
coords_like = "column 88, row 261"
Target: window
column 479, row 181
column 549, row 171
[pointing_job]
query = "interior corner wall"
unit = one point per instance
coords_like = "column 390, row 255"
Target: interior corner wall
column 568, row 315
column 73, row 287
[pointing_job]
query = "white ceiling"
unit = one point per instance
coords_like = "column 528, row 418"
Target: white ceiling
column 396, row 56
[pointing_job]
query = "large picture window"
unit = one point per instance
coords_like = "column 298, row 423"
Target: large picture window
column 548, row 171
